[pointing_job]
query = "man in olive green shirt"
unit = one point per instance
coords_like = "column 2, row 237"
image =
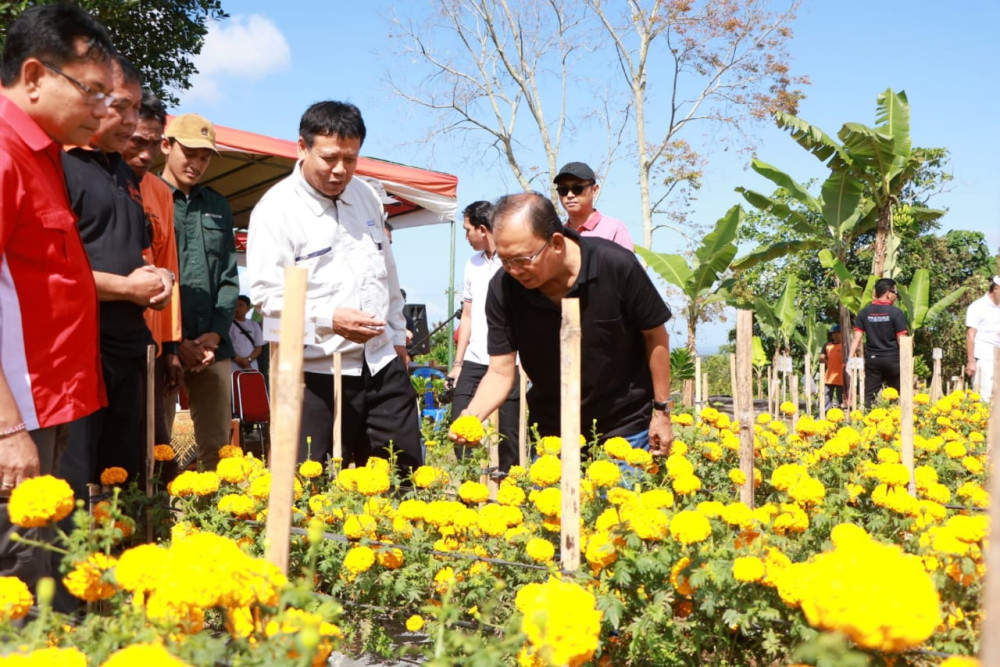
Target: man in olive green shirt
column 209, row 284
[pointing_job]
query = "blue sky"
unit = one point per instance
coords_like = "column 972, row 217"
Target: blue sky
column 265, row 65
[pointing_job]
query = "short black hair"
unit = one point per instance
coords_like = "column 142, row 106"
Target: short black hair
column 480, row 214
column 245, row 299
column 50, row 33
column 130, row 73
column 884, row 285
column 542, row 214
column 152, row 108
column 330, row 119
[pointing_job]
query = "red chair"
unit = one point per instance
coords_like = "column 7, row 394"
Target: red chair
column 252, row 406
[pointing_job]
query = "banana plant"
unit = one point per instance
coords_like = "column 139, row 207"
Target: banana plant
column 914, row 300
column 778, row 321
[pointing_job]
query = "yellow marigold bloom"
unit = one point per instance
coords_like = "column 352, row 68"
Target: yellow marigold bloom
column 960, row 661
column 779, row 428
column 425, row 477
column 971, row 529
column 785, row 476
column 310, row 469
column 49, row 657
column 372, row 481
column 656, row 498
column 561, row 622
column 39, row 501
column 939, row 493
column 468, row 428
column 548, row 501
column 549, row 444
column 414, row 623
column 737, row 514
column 230, row 452
column 808, row 491
column 601, row 550
column 748, row 568
column 711, row 451
column 678, row 466
column 689, row 527
column 539, row 550
column 710, row 508
column 412, row 510
column 491, row 520
column 886, row 455
column 807, row 426
column 140, row 568
column 972, row 464
column 890, row 394
column 163, row 453
column 511, row 495
column 737, row 476
column 892, row 474
column 648, row 523
column 113, row 476
column 174, row 616
column 260, row 486
column 603, row 473
column 233, row 470
column 357, row 526
column 473, row 492
column 955, row 450
column 620, row 496
column 15, row 599
column 835, row 415
column 86, row 579
column 640, row 458
column 854, row 491
column 358, row 559
column 787, row 408
column 763, row 418
column 517, row 472
column 143, row 654
column 687, row 485
column 390, row 558
column 678, row 580
column 791, row 519
column 546, row 470
column 237, row 505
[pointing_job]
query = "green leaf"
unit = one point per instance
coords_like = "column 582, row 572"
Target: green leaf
column 944, row 303
column 841, row 196
column 798, row 192
column 869, row 148
column 759, row 356
column 775, row 251
column 799, row 222
column 812, row 139
column 892, row 113
column 672, row 268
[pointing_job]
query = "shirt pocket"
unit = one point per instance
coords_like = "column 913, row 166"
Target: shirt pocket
column 216, row 235
column 58, row 231
column 603, row 349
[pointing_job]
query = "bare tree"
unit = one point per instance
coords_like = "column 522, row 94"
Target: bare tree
column 720, row 61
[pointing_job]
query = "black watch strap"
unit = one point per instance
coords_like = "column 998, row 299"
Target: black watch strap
column 662, row 406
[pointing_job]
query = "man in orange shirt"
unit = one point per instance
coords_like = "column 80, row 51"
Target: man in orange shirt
column 833, row 357
column 142, row 149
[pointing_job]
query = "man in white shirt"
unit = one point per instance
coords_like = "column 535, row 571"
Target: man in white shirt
column 325, row 220
column 247, row 337
column 982, row 337
column 471, row 358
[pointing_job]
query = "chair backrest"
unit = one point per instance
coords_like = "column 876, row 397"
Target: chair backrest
column 254, row 405
column 235, row 393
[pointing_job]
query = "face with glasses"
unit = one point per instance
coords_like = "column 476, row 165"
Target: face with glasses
column 123, row 114
column 577, row 196
column 68, row 100
column 525, row 256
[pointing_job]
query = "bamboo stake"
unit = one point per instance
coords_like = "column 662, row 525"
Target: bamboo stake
column 937, row 353
column 732, row 377
column 150, row 430
column 338, row 411
column 794, row 380
column 569, row 361
column 906, row 405
column 492, row 482
column 697, row 385
column 286, row 419
column 821, row 396
column 704, row 392
column 522, row 420
column 808, row 383
column 990, row 641
column 743, row 403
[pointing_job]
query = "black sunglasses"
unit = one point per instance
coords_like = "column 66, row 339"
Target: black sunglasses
column 576, row 189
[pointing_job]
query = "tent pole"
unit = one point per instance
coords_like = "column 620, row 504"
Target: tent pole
column 451, row 299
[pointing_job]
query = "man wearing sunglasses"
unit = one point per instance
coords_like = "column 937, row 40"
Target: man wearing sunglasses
column 882, row 323
column 625, row 381
column 55, row 73
column 577, row 188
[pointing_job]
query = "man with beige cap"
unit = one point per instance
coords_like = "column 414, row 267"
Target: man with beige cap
column 206, row 250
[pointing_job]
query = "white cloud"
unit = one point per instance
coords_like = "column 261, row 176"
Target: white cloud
column 245, row 48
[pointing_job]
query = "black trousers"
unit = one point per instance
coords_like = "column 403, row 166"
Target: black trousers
column 378, row 410
column 112, row 436
column 880, row 371
column 468, row 381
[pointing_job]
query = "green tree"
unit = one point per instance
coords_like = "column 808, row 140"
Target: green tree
column 160, row 37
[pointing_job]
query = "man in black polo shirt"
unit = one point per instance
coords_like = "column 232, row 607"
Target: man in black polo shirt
column 104, row 193
column 625, row 347
column 882, row 324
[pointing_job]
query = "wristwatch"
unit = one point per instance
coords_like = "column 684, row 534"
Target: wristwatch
column 662, row 406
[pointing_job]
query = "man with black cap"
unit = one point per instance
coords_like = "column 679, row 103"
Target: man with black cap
column 833, row 356
column 206, row 250
column 577, row 187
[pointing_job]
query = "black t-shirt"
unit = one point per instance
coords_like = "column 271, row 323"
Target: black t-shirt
column 617, row 302
column 104, row 193
column 881, row 323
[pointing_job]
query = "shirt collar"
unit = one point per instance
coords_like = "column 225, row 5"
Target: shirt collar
column 174, row 190
column 591, row 222
column 27, row 129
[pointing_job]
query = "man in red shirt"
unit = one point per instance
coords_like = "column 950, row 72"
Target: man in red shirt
column 55, row 75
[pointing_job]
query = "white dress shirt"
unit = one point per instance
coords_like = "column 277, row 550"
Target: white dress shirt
column 478, row 272
column 344, row 246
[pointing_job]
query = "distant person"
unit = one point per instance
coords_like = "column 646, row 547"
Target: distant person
column 56, row 78
column 206, row 250
column 325, row 220
column 625, row 348
column 471, row 356
column 104, row 194
column 833, row 356
column 982, row 337
column 247, row 337
column 881, row 323
column 143, row 148
column 577, row 188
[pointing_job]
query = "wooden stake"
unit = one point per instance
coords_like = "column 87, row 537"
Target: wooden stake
column 990, row 641
column 704, row 391
column 494, row 453
column 338, row 411
column 794, row 382
column 732, row 377
column 743, row 403
column 697, row 384
column 936, row 375
column 150, row 430
column 808, row 382
column 522, row 421
column 906, row 405
column 286, row 418
column 821, row 396
column 569, row 361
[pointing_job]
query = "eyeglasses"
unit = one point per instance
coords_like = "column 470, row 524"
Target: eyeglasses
column 93, row 96
column 523, row 262
column 892, row 291
column 576, row 189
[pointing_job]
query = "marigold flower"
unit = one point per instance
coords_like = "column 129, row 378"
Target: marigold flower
column 163, row 453
column 539, row 550
column 890, row 394
column 56, row 657
column 617, row 448
column 415, row 623
column 546, row 470
column 390, row 558
column 311, row 469
column 372, row 481
column 561, row 621
column 86, row 579
column 649, row 524
column 359, row 559
column 548, row 501
column 113, row 476
column 748, row 569
column 468, row 428
column 738, row 514
column 656, row 498
column 689, row 527
column 960, row 661
column 357, row 526
column 426, row 476
column 737, row 476
column 603, row 473
column 233, row 470
column 39, row 501
column 140, row 568
column 787, row 408
column 640, row 458
column 510, row 495
column 230, row 452
column 678, row 580
column 237, row 505
column 15, row 599
column 601, row 550
column 687, row 485
column 473, row 492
